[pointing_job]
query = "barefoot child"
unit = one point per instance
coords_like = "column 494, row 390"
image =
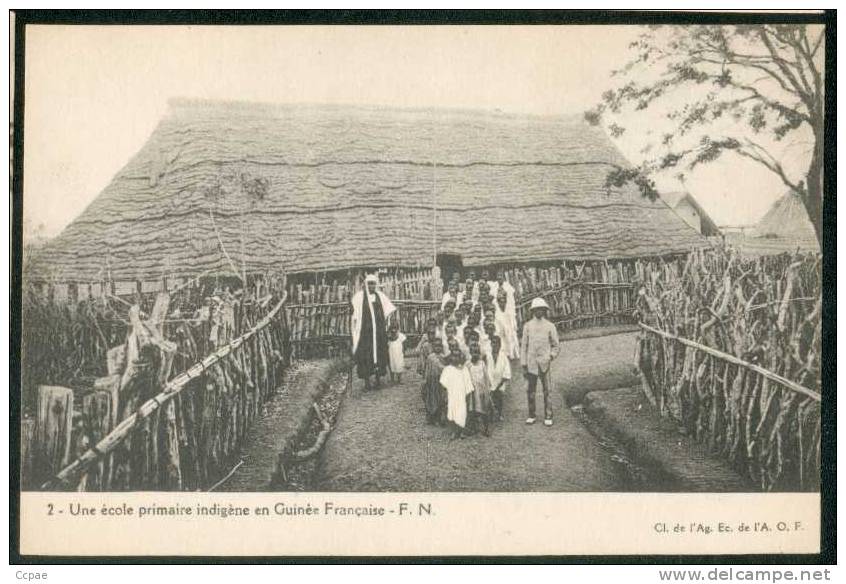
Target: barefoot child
column 395, row 352
column 449, row 336
column 499, row 370
column 477, row 314
column 452, row 295
column 460, row 315
column 431, row 325
column 470, row 335
column 456, row 379
column 480, row 406
column 506, row 325
column 432, row 383
column 424, row 348
column 485, row 341
column 467, row 307
column 448, row 311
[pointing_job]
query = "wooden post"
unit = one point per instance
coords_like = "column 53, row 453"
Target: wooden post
column 98, row 422
column 27, row 446
column 110, row 385
column 116, row 359
column 53, row 428
column 171, row 478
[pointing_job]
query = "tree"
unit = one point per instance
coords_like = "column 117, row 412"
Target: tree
column 34, row 238
column 741, row 89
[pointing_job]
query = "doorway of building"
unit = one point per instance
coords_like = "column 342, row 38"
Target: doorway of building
column 450, row 264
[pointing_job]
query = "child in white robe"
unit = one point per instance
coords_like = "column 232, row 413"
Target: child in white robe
column 395, row 352
column 499, row 370
column 479, row 404
column 469, row 334
column 485, row 341
column 507, row 327
column 454, row 295
column 449, row 335
column 456, row 379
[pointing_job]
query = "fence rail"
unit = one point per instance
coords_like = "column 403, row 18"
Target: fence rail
column 321, row 330
column 765, row 425
column 185, row 436
column 582, row 304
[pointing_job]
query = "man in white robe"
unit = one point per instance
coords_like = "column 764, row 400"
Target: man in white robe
column 371, row 310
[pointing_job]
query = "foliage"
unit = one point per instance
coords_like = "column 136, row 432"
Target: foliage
column 734, row 88
column 64, row 344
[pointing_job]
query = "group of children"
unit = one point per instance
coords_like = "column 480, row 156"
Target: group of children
column 464, row 355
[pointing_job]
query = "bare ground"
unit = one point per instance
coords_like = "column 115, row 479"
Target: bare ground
column 280, row 417
column 382, row 442
column 678, row 462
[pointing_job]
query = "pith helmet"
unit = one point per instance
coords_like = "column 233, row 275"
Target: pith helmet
column 539, row 303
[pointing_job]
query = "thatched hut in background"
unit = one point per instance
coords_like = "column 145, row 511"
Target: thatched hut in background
column 785, row 227
column 688, row 208
column 788, row 219
column 319, row 194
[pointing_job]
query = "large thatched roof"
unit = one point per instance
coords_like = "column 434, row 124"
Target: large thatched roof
column 303, row 188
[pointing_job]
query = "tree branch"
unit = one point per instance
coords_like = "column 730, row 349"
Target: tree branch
column 817, row 44
column 772, row 104
column 764, row 77
column 759, row 154
column 808, row 54
column 758, row 62
column 782, row 64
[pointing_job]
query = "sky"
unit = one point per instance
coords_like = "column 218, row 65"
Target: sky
column 95, row 94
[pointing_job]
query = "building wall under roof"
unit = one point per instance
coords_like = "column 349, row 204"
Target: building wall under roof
column 690, row 215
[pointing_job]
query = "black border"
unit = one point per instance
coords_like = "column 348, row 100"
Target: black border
column 828, row 534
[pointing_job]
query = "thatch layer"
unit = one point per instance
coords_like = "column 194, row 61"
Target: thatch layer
column 787, row 218
column 304, row 188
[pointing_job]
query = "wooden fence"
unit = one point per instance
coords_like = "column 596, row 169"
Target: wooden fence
column 414, row 284
column 138, row 431
column 580, row 294
column 765, row 425
column 67, row 343
column 323, row 330
column 585, row 304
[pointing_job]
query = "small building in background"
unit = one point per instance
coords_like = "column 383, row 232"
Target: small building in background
column 691, row 211
column 786, row 218
column 785, row 227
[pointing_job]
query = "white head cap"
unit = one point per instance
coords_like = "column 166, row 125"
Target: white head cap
column 539, row 303
column 371, row 278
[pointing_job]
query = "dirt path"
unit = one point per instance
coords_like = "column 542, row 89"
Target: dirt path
column 382, row 442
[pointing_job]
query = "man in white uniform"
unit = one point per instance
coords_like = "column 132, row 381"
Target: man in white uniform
column 539, row 348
